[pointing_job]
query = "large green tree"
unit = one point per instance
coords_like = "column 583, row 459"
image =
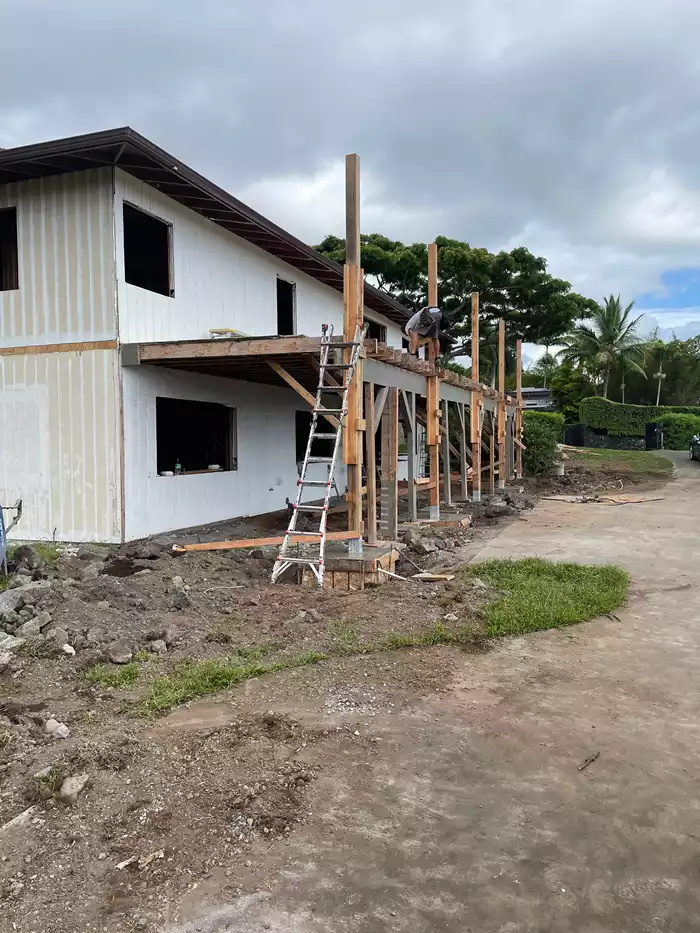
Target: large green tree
column 609, row 339
column 679, row 360
column 515, row 286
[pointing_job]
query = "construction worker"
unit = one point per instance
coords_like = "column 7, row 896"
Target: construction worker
column 424, row 327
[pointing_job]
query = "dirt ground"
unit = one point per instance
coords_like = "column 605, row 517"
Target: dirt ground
column 420, row 789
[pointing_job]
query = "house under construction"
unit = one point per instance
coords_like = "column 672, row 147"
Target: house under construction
column 159, row 357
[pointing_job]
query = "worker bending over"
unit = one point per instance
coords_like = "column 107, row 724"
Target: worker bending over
column 424, row 327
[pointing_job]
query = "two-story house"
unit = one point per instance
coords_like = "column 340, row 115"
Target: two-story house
column 108, row 242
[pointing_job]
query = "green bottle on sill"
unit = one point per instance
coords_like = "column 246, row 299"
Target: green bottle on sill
column 178, row 466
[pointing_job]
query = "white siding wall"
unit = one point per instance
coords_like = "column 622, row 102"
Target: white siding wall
column 267, row 471
column 220, row 280
column 65, row 236
column 59, row 449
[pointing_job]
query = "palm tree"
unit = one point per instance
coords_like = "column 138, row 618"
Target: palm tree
column 607, row 338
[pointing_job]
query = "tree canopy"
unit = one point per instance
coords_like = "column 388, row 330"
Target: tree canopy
column 515, row 286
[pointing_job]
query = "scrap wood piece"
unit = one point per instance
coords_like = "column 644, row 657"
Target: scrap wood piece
column 588, row 761
column 628, row 500
column 428, row 577
column 261, row 542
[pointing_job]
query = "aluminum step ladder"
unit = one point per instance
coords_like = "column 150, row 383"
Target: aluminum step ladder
column 316, row 560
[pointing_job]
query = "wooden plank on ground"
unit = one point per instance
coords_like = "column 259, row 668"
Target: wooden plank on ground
column 260, row 542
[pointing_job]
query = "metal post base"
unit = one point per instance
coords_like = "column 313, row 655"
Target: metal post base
column 356, row 546
column 434, row 512
column 476, row 496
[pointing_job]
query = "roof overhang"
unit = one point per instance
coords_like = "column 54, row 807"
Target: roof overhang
column 139, row 157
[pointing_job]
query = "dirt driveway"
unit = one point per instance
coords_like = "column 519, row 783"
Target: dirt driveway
column 471, row 814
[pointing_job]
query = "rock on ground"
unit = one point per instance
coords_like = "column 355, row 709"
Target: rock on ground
column 120, row 651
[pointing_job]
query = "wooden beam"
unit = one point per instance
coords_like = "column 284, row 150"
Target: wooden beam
column 353, row 317
column 492, row 457
column 261, row 542
column 220, row 348
column 352, row 209
column 476, row 404
column 519, row 410
column 299, row 389
column 389, row 465
column 463, row 449
column 370, row 441
column 379, row 406
column 410, row 402
column 502, row 456
column 433, row 392
column 432, row 275
column 475, row 337
column 446, row 473
column 59, row 348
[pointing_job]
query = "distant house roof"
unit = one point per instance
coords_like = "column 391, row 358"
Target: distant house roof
column 138, row 156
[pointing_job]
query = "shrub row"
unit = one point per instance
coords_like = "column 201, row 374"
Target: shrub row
column 678, row 430
column 542, row 431
column 626, row 420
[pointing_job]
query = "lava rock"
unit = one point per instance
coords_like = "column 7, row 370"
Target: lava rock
column 92, row 552
column 29, row 629
column 25, row 558
column 120, row 651
column 91, row 572
column 56, row 729
column 102, row 605
column 158, row 646
column 72, row 787
column 179, row 600
column 20, row 579
column 57, row 634
column 425, row 546
column 43, row 618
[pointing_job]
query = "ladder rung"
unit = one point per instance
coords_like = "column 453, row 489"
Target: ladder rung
column 339, row 365
column 313, row 482
column 309, row 508
column 307, row 534
column 323, row 436
column 329, row 411
column 349, row 343
column 319, row 459
column 331, row 388
column 298, row 560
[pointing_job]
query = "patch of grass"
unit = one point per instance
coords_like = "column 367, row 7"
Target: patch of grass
column 346, row 638
column 143, row 654
column 4, row 582
column 47, row 551
column 540, row 594
column 107, row 675
column 39, row 648
column 193, row 679
column 255, row 653
column 620, row 461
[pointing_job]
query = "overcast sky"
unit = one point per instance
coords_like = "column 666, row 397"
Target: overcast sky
column 569, row 126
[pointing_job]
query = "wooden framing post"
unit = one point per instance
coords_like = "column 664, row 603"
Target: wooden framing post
column 475, row 432
column 411, row 437
column 447, row 482
column 433, row 394
column 389, row 425
column 492, row 456
column 519, row 409
column 463, row 448
column 370, row 443
column 502, row 457
column 352, row 318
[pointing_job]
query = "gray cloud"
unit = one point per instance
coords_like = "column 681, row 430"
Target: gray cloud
column 572, row 127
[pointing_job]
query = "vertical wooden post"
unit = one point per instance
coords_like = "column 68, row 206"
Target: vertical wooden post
column 463, row 448
column 447, row 481
column 519, row 409
column 475, row 408
column 390, row 458
column 352, row 318
column 371, row 465
column 492, row 455
column 409, row 423
column 433, row 394
column 502, row 466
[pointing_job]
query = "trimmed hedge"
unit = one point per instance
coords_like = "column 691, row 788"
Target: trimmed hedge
column 626, row 420
column 679, row 429
column 542, row 431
